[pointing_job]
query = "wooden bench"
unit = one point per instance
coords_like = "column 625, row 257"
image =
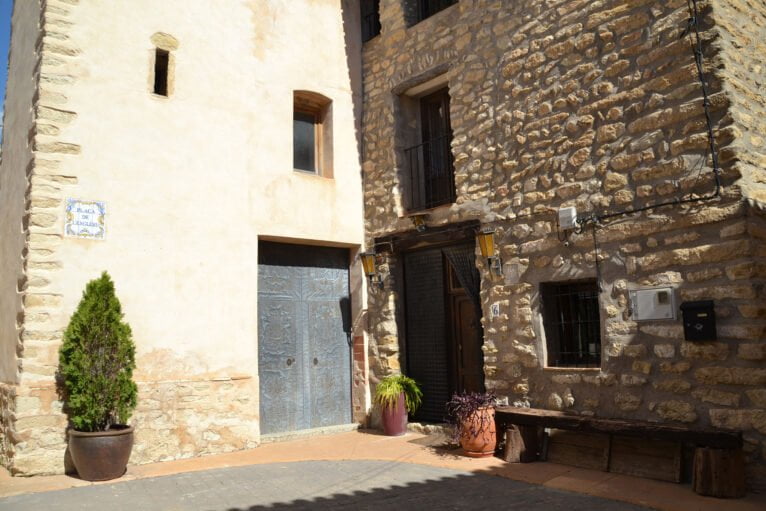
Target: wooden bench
column 718, row 459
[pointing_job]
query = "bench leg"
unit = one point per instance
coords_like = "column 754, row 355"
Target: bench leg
column 719, row 472
column 521, row 444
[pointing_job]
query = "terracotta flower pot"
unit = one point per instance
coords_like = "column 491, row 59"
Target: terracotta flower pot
column 101, row 455
column 478, row 438
column 395, row 418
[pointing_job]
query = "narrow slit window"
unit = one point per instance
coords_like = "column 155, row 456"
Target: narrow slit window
column 161, row 64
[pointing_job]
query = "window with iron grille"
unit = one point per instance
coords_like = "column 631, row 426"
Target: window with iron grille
column 370, row 19
column 430, row 164
column 427, row 8
column 572, row 323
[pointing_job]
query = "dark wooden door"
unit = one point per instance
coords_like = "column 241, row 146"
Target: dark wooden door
column 303, row 337
column 466, row 345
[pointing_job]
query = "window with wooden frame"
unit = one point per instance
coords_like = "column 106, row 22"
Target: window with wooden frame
column 312, row 133
column 572, row 323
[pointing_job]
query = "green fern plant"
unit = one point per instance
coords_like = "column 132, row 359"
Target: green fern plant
column 96, row 361
column 391, row 387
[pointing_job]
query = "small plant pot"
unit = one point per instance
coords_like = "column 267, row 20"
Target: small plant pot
column 478, row 438
column 395, row 418
column 101, row 455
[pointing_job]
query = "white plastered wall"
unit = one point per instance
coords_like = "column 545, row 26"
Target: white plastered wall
column 191, row 181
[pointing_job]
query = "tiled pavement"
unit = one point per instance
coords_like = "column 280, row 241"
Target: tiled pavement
column 358, row 485
column 356, row 470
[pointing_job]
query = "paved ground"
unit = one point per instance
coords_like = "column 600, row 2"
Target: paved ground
column 358, row 485
column 315, row 468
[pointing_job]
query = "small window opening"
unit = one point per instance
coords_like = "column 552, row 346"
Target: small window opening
column 312, row 133
column 370, row 19
column 572, row 323
column 161, row 63
column 418, row 10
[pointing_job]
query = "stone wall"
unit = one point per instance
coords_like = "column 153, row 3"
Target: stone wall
column 595, row 105
column 39, row 424
column 173, row 420
column 741, row 27
column 7, row 421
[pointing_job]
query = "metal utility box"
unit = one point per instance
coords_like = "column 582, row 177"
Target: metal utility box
column 699, row 321
column 567, row 218
column 653, row 304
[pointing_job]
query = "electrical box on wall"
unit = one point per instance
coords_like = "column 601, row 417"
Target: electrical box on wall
column 567, row 218
column 653, row 304
column 699, row 321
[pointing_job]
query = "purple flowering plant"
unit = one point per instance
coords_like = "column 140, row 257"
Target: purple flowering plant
column 463, row 406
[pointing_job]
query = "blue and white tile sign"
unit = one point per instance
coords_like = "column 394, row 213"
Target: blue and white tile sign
column 85, row 219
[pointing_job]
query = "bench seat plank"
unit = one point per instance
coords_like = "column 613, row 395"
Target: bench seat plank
column 505, row 415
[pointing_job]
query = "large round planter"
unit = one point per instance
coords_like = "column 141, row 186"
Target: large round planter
column 101, row 455
column 478, row 438
column 395, row 418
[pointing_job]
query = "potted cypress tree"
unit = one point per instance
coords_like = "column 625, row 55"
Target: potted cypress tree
column 397, row 395
column 96, row 363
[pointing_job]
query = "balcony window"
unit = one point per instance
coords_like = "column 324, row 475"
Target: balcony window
column 430, row 164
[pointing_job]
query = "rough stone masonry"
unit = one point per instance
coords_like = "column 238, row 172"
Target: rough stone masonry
column 595, row 104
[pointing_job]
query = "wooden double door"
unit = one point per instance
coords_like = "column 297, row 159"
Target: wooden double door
column 443, row 329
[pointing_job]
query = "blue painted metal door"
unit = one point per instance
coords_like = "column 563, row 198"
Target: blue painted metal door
column 304, row 356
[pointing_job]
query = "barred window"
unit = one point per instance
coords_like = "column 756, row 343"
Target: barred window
column 572, row 323
column 427, row 8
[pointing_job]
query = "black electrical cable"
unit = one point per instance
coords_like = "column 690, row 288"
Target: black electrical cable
column 693, row 26
column 598, row 264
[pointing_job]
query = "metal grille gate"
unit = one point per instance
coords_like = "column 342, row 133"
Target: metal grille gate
column 427, row 350
column 443, row 343
column 304, row 357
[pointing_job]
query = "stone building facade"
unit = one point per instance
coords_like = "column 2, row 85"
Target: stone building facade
column 596, row 105
column 591, row 104
column 179, row 117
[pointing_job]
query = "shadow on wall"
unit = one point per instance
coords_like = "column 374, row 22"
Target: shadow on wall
column 352, row 34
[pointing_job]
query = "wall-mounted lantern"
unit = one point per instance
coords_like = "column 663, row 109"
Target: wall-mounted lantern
column 370, row 270
column 486, row 240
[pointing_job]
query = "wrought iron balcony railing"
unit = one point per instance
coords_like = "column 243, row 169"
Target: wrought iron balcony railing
column 430, row 170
